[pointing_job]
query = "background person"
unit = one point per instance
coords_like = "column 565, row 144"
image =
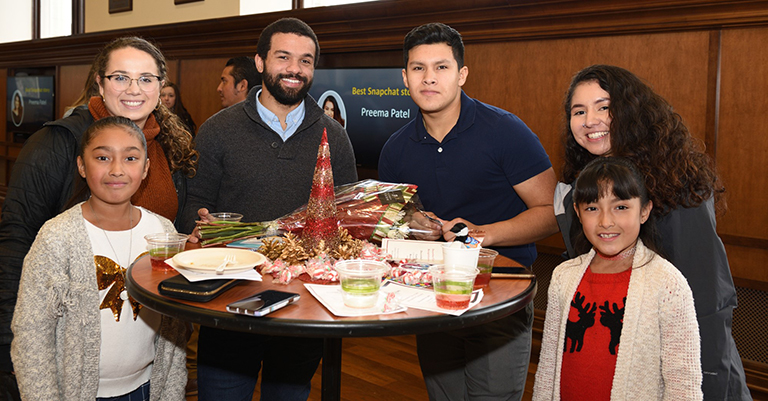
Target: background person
column 90, row 89
column 620, row 319
column 171, row 98
column 258, row 158
column 76, row 335
column 610, row 111
column 237, row 79
column 129, row 74
column 331, row 109
column 480, row 165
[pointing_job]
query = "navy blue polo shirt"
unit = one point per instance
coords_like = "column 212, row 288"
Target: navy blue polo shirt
column 471, row 173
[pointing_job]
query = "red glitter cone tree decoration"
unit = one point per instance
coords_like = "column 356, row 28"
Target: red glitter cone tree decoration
column 321, row 223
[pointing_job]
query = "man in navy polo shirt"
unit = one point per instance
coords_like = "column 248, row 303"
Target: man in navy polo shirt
column 480, row 165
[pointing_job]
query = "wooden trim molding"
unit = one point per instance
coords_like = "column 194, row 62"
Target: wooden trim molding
column 749, row 242
column 757, row 378
column 380, row 26
column 751, row 284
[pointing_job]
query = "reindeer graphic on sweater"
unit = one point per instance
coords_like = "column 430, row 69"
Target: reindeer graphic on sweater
column 614, row 321
column 610, row 317
column 575, row 330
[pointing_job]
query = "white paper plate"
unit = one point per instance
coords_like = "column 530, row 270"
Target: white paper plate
column 206, row 260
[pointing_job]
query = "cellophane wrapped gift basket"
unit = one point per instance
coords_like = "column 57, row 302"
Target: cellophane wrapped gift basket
column 345, row 222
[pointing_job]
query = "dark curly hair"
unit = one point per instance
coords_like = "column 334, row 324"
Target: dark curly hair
column 174, row 137
column 648, row 132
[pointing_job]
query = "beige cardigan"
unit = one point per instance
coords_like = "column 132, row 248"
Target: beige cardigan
column 659, row 356
column 56, row 323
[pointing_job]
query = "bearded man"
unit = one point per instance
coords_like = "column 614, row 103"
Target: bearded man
column 257, row 158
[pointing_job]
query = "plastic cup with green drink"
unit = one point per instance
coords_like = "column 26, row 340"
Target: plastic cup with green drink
column 360, row 281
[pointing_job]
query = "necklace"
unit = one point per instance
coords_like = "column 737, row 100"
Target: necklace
column 123, row 292
column 619, row 256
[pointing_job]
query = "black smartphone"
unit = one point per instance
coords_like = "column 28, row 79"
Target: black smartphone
column 263, row 303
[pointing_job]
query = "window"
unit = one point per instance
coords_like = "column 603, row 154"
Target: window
column 248, row 7
column 17, row 23
column 55, row 18
column 15, row 20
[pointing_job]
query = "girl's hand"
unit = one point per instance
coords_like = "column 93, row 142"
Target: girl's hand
column 204, row 217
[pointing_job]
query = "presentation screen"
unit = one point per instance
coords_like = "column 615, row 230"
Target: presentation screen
column 371, row 103
column 30, row 105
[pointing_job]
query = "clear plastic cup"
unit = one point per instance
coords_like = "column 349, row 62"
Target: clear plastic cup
column 485, row 267
column 360, row 281
column 453, row 285
column 229, row 217
column 456, row 253
column 163, row 246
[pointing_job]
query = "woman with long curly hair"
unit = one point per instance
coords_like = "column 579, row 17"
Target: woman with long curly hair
column 611, row 112
column 44, row 182
column 171, row 98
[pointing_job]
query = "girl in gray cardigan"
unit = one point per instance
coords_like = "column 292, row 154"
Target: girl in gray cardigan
column 78, row 335
column 620, row 323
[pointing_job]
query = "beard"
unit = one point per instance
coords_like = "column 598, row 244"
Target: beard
column 288, row 97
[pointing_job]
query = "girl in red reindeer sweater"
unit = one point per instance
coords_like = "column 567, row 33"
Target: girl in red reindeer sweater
column 620, row 323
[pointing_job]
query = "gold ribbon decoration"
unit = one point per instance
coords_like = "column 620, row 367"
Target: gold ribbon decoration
column 108, row 272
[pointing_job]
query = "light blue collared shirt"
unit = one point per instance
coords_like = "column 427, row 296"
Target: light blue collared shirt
column 292, row 120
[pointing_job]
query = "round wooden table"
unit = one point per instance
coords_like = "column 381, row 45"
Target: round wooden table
column 309, row 318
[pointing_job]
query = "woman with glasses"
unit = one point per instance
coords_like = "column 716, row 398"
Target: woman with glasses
column 130, row 73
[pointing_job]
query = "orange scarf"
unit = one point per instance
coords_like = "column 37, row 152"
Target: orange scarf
column 157, row 192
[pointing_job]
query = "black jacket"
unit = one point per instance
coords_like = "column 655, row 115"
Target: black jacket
column 40, row 187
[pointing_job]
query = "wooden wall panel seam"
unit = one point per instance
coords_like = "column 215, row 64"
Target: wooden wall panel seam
column 713, row 93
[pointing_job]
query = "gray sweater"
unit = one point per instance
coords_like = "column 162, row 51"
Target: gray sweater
column 245, row 166
column 56, row 323
column 659, row 352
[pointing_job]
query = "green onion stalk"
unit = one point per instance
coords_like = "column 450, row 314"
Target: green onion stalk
column 221, row 232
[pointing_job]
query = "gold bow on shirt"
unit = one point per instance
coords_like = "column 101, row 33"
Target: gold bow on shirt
column 108, row 272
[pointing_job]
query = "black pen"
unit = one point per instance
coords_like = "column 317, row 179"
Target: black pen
column 430, row 218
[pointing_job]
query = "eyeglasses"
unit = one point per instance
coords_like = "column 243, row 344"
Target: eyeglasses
column 123, row 82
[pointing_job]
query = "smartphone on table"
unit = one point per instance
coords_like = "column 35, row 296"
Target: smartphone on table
column 263, row 303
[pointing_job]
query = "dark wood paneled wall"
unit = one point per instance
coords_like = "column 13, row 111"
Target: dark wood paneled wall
column 708, row 58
